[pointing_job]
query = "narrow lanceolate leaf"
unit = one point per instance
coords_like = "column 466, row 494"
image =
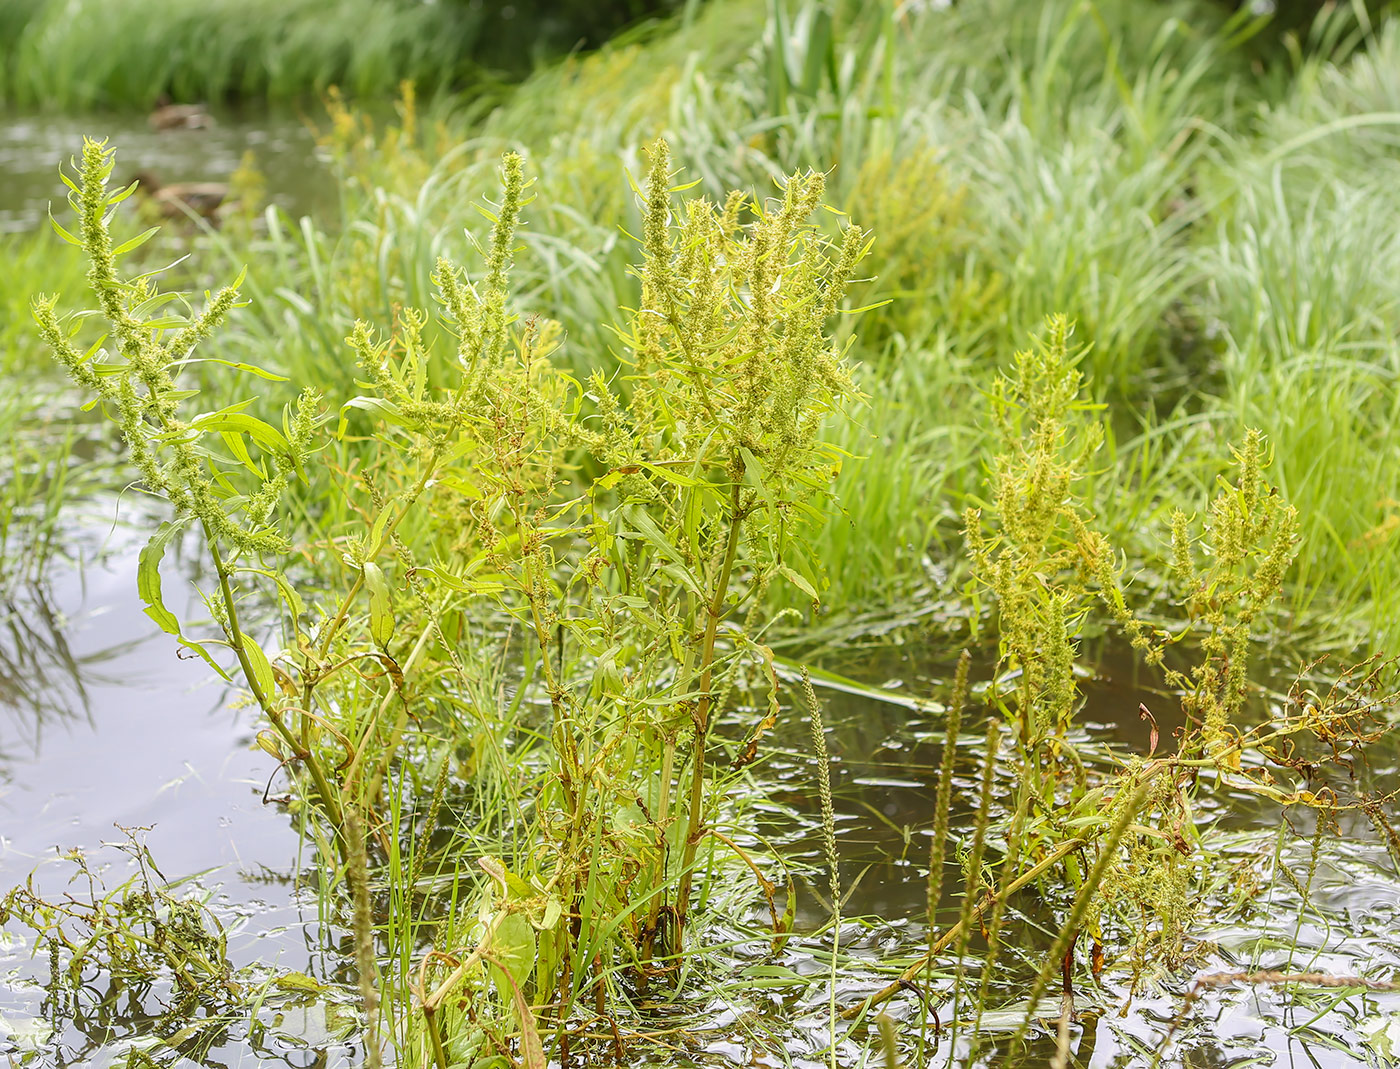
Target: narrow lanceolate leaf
column 381, row 610
column 148, row 576
column 679, row 478
column 267, row 436
column 148, row 588
column 61, row 232
column 238, row 365
column 375, row 406
column 262, row 668
column 798, row 580
column 136, row 242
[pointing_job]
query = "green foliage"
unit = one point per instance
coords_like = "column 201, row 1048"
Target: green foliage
column 641, row 591
column 1040, row 557
column 1134, row 856
column 143, row 966
column 119, row 931
column 129, row 53
column 542, row 554
column 1251, row 538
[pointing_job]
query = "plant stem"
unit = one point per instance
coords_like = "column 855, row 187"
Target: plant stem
column 330, row 802
column 907, row 976
column 715, row 609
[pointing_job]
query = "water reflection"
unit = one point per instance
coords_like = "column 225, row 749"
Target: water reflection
column 282, row 143
column 103, row 724
column 885, row 757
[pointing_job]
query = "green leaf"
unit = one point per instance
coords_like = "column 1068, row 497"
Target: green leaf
column 235, row 445
column 513, row 959
column 649, row 532
column 200, row 648
column 375, row 406
column 513, row 946
column 510, row 885
column 679, row 574
column 553, row 910
column 376, row 533
column 136, row 242
column 116, row 198
column 467, row 582
column 239, row 366
column 295, row 605
column 818, row 49
column 148, row 576
column 61, row 232
column 268, row 437
column 262, row 668
column 148, row 588
column 381, row 609
column 300, row 982
column 670, row 476
column 798, row 580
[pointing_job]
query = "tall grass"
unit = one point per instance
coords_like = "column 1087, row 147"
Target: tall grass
column 126, row 54
column 1203, row 224
column 991, row 210
column 74, row 54
column 1300, row 266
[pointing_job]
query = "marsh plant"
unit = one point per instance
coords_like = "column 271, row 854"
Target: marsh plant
column 526, row 598
column 1123, row 849
column 148, row 934
column 542, row 588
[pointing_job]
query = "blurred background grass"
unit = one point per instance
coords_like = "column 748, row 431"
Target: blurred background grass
column 1204, row 190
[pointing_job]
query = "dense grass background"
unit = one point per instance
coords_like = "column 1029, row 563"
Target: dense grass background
column 71, row 54
column 1222, row 228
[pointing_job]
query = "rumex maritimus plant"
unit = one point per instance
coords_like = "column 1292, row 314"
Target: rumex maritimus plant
column 637, row 577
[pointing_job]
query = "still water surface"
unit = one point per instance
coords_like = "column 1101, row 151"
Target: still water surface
column 283, row 147
column 103, row 727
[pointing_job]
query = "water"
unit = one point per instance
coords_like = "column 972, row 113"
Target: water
column 103, row 724
column 104, row 727
column 32, row 146
column 106, row 733
column 884, row 761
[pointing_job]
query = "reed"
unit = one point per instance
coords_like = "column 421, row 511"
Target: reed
column 823, row 763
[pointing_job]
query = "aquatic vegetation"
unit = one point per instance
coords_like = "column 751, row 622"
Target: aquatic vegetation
column 629, row 589
column 156, row 950
column 507, row 586
column 1127, row 844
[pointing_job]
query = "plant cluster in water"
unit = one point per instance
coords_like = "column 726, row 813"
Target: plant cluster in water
column 536, row 597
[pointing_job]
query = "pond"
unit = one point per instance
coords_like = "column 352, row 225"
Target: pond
column 105, row 728
column 885, row 760
column 282, row 144
column 107, row 734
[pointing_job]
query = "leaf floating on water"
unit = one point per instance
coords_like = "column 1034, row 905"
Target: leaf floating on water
column 299, row 981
